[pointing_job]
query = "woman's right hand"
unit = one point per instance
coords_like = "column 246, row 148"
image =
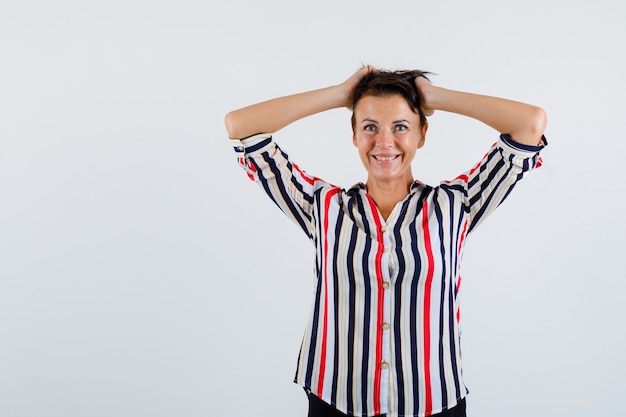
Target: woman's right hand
column 349, row 85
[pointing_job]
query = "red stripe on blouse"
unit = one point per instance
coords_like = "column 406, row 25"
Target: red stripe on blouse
column 427, row 288
column 381, row 302
column 304, row 176
column 320, row 382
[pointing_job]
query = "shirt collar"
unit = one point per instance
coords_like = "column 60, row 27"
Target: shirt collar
column 360, row 186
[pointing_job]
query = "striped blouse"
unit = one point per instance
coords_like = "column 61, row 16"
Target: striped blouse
column 383, row 333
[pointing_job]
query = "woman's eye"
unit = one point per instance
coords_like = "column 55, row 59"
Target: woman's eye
column 401, row 128
column 370, row 128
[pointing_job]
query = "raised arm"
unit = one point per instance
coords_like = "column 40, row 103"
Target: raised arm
column 525, row 123
column 272, row 115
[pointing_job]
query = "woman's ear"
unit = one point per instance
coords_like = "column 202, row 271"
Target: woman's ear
column 422, row 140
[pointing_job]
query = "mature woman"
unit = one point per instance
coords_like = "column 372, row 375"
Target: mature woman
column 383, row 335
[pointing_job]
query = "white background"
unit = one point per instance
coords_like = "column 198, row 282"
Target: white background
column 142, row 273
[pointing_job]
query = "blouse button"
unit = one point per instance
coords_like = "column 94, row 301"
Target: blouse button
column 384, row 365
column 385, row 326
column 386, row 285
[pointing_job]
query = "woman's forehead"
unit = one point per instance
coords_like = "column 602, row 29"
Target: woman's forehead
column 386, row 105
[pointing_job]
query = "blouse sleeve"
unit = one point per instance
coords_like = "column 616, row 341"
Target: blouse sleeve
column 290, row 188
column 488, row 183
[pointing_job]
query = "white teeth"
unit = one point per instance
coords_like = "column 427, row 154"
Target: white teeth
column 384, row 158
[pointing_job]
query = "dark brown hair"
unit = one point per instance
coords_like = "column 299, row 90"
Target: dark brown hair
column 382, row 82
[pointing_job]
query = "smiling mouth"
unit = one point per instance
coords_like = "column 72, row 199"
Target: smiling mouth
column 385, row 158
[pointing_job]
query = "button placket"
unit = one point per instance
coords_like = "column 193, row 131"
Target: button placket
column 385, row 326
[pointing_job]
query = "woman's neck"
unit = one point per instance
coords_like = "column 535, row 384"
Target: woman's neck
column 387, row 194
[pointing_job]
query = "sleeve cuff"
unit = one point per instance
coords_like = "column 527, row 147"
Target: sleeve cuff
column 251, row 144
column 519, row 148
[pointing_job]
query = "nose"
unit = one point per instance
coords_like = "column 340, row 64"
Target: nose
column 384, row 140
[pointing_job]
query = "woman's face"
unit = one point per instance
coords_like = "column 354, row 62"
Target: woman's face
column 387, row 134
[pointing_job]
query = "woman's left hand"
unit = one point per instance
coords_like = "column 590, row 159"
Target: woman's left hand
column 424, row 87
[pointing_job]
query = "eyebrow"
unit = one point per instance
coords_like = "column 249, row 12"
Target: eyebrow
column 367, row 119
